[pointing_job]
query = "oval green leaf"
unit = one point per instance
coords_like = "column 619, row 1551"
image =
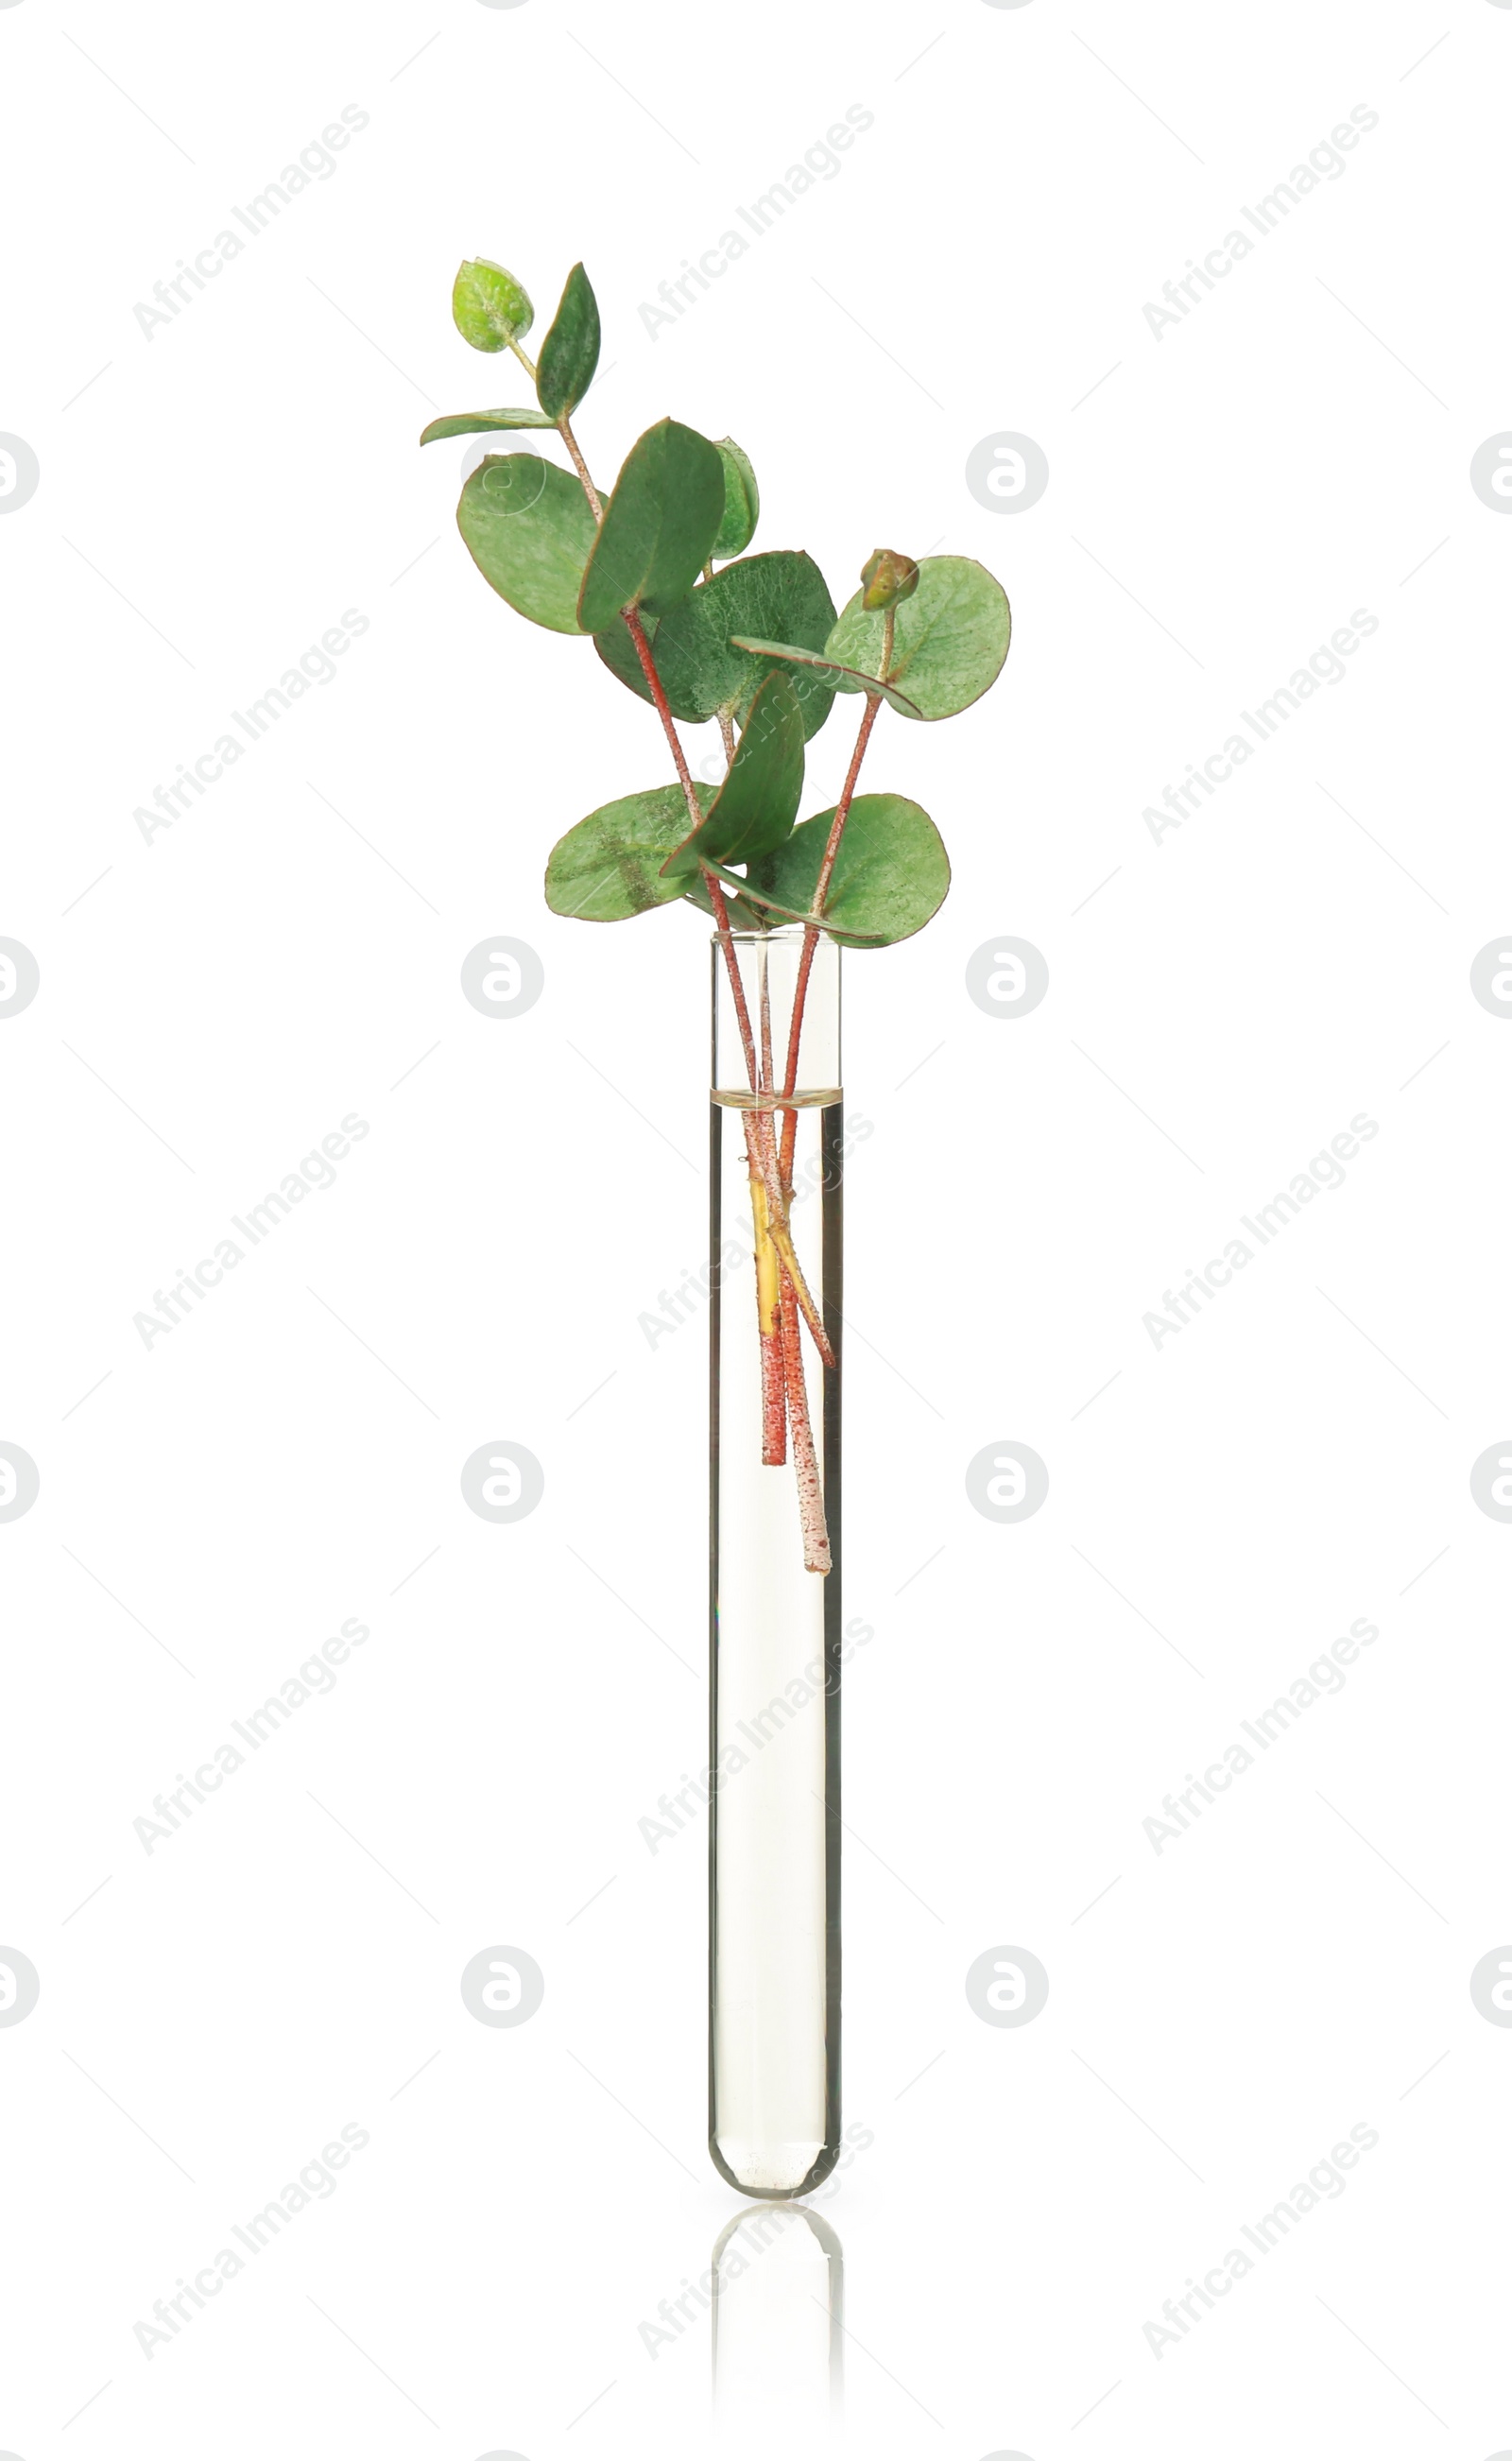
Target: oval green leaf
column 951, row 641
column 529, row 529
column 608, row 866
column 757, row 803
column 890, row 875
column 657, row 528
column 569, row 354
column 742, row 502
column 481, row 422
column 489, row 308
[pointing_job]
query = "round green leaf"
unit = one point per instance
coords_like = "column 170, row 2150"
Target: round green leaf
column 951, row 641
column 569, row 354
column 529, row 529
column 489, row 308
column 608, row 867
column 890, row 875
column 742, row 502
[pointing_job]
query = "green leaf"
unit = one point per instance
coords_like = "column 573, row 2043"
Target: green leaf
column 890, row 875
column 894, row 698
column 489, row 308
column 757, row 803
column 777, row 597
column 569, row 354
column 742, row 502
column 529, row 529
column 609, row 866
column 657, row 528
column 481, row 422
column 951, row 641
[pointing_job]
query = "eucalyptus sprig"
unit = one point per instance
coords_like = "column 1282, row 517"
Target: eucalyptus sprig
column 659, row 578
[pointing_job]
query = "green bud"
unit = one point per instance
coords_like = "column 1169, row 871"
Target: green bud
column 886, row 577
column 489, row 308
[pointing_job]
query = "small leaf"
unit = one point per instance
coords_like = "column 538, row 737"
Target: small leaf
column 742, row 502
column 569, row 354
column 757, row 803
column 778, row 597
column 529, row 529
column 950, row 640
column 489, row 308
column 890, row 875
column 481, row 422
column 607, row 867
column 895, row 699
column 657, row 528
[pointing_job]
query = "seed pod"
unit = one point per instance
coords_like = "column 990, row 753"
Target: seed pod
column 886, row 578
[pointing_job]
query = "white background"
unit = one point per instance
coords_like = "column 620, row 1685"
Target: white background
column 213, row 1003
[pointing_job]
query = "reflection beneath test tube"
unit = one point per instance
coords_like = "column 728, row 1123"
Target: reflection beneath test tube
column 779, row 2333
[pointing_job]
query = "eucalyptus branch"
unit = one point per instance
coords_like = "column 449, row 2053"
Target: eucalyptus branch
column 758, row 635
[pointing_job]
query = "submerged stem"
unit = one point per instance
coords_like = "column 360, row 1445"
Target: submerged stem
column 810, row 1493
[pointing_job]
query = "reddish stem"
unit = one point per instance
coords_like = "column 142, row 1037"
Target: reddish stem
column 810, row 1493
column 805, row 963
